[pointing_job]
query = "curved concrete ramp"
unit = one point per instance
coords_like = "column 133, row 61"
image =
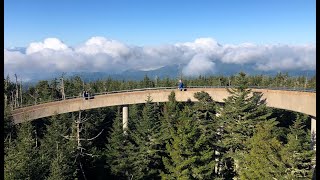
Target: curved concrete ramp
column 304, row 102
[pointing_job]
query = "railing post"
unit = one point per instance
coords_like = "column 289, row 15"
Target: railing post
column 125, row 118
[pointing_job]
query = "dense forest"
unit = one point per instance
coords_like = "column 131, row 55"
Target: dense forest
column 48, row 90
column 241, row 138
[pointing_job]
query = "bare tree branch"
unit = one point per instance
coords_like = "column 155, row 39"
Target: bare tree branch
column 69, row 137
column 84, row 176
column 91, row 155
column 6, row 138
column 94, row 137
column 86, row 119
column 81, row 127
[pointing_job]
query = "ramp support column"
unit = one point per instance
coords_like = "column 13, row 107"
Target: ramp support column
column 125, row 118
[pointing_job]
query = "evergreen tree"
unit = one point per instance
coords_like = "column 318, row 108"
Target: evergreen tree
column 135, row 113
column 168, row 124
column 261, row 158
column 297, row 153
column 61, row 166
column 144, row 135
column 72, row 86
column 54, row 86
column 9, row 127
column 44, row 91
column 22, row 160
column 58, row 152
column 205, row 113
column 169, row 119
column 190, row 155
column 242, row 110
column 205, row 109
column 118, row 151
column 146, row 82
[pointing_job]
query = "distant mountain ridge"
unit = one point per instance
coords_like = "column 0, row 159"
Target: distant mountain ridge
column 171, row 71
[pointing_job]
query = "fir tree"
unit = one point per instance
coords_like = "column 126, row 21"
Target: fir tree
column 9, row 128
column 297, row 153
column 205, row 113
column 57, row 152
column 171, row 112
column 205, row 107
column 118, row 151
column 144, row 135
column 168, row 120
column 22, row 159
column 241, row 112
column 261, row 159
column 190, row 155
column 167, row 126
column 61, row 166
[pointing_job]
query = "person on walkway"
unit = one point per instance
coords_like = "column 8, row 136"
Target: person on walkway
column 180, row 85
column 86, row 95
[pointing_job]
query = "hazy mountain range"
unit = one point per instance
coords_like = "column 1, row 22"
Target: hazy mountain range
column 101, row 58
column 172, row 71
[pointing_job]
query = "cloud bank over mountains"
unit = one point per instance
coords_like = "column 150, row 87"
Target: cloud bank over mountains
column 99, row 54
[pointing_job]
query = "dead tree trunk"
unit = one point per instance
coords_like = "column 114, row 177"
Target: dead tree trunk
column 21, row 93
column 305, row 84
column 5, row 93
column 77, row 138
column 35, row 96
column 17, row 92
column 5, row 100
column 62, row 89
column 11, row 100
column 78, row 130
column 35, row 131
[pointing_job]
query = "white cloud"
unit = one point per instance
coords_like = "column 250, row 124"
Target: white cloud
column 48, row 44
column 199, row 65
column 97, row 45
column 198, row 57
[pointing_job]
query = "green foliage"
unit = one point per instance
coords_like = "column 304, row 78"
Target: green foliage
column 8, row 128
column 261, row 159
column 74, row 86
column 57, row 152
column 61, row 166
column 190, row 154
column 241, row 112
column 55, row 89
column 22, row 160
column 204, row 109
column 44, row 91
column 192, row 146
column 169, row 119
column 297, row 155
column 118, row 151
column 147, row 82
column 144, row 136
column 172, row 140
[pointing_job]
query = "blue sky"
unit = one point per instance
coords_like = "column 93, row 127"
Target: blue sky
column 118, row 35
column 152, row 22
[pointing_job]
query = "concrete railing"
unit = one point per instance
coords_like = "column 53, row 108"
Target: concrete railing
column 157, row 88
column 299, row 101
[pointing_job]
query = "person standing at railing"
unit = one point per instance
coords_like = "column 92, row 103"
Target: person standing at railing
column 86, row 95
column 180, row 85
